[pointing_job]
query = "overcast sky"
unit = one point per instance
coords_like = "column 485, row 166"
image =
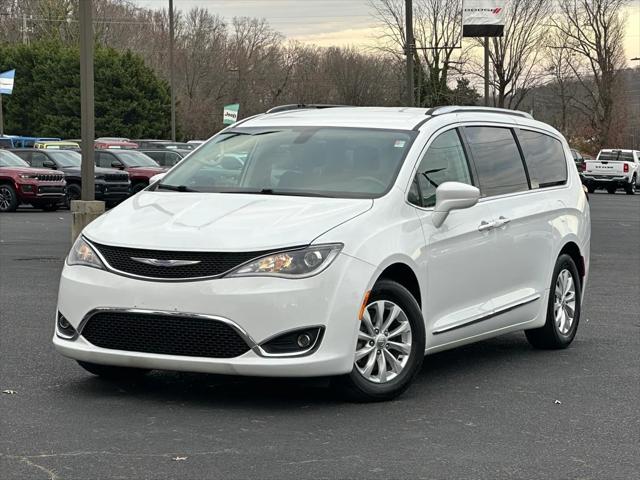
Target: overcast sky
column 332, row 22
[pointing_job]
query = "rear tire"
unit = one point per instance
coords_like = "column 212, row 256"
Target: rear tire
column 591, row 189
column 405, row 332
column 630, row 189
column 560, row 329
column 8, row 198
column 112, row 372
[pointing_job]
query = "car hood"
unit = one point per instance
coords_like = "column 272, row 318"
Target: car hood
column 97, row 170
column 145, row 171
column 220, row 221
column 31, row 170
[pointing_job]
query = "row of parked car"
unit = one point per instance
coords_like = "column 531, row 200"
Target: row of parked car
column 46, row 172
column 612, row 170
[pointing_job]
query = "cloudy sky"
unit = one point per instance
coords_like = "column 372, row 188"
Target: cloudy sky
column 333, row 22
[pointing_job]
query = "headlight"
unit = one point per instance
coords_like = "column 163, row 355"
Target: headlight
column 83, row 254
column 28, row 175
column 291, row 264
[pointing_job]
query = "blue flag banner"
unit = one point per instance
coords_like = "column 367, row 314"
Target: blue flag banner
column 6, row 82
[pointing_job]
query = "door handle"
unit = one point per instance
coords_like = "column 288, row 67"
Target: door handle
column 501, row 222
column 486, row 226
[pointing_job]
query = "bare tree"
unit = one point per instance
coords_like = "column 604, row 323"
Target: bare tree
column 438, row 36
column 594, row 34
column 516, row 56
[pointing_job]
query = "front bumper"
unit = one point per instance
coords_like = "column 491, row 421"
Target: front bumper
column 260, row 306
column 41, row 192
column 109, row 192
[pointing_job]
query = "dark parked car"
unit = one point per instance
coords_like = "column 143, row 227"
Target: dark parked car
column 579, row 160
column 139, row 166
column 112, row 186
column 19, row 184
column 166, row 157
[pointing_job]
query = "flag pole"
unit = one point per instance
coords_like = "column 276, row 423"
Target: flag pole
column 1, row 119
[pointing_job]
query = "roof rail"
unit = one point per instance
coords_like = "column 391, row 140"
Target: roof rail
column 455, row 109
column 301, row 106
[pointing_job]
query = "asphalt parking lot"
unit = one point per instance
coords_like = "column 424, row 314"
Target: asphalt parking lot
column 497, row 409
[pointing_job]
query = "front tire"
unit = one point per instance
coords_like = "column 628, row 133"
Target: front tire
column 563, row 309
column 138, row 187
column 390, row 346
column 112, row 372
column 8, row 198
column 74, row 192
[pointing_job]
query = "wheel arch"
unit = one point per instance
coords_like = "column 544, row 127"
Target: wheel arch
column 573, row 250
column 404, row 275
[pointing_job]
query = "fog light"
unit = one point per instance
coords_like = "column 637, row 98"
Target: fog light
column 299, row 342
column 304, row 340
column 64, row 328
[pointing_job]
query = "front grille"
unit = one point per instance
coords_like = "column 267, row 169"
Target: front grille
column 49, row 177
column 211, row 263
column 116, row 177
column 164, row 334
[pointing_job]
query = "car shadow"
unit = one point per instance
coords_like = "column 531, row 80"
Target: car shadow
column 465, row 364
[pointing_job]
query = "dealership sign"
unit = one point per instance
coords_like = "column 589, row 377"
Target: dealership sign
column 483, row 18
column 230, row 114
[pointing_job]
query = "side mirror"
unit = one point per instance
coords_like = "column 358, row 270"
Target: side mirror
column 49, row 164
column 453, row 196
column 117, row 164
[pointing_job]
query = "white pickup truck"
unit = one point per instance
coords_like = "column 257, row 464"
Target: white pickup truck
column 613, row 169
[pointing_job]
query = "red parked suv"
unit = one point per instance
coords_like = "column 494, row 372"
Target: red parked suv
column 139, row 166
column 19, row 183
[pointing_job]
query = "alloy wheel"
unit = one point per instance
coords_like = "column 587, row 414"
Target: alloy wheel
column 564, row 305
column 384, row 342
column 5, row 198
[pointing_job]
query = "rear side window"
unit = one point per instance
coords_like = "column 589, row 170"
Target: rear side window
column 545, row 159
column 497, row 160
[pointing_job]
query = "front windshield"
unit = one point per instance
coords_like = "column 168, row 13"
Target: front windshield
column 66, row 158
column 136, row 159
column 308, row 161
column 8, row 159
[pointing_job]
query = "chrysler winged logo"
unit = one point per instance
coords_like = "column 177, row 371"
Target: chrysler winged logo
column 156, row 262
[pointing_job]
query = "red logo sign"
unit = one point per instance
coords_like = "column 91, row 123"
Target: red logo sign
column 496, row 11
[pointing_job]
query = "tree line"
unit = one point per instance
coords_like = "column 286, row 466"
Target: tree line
column 575, row 47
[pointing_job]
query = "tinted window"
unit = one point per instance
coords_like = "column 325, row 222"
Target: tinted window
column 497, row 160
column 445, row 161
column 38, row 159
column 616, row 156
column 105, row 159
column 545, row 159
column 306, row 161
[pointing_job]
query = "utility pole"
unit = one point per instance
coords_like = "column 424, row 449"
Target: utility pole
column 87, row 99
column 86, row 210
column 409, row 49
column 486, row 71
column 24, row 29
column 172, row 74
column 1, row 119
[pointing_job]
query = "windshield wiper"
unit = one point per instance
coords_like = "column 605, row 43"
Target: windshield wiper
column 175, row 188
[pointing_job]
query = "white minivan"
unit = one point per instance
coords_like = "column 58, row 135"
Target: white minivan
column 343, row 242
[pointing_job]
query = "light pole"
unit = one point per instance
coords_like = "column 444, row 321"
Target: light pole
column 86, row 210
column 409, row 49
column 171, row 74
